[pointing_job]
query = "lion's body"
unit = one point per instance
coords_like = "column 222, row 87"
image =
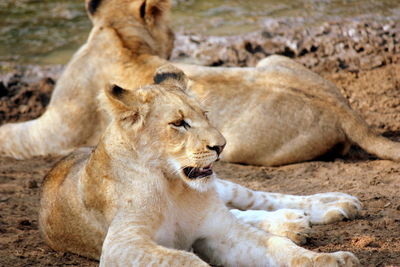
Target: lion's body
column 272, row 114
column 276, row 113
column 146, row 194
column 77, row 212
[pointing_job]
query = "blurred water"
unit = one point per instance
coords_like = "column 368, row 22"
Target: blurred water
column 49, row 31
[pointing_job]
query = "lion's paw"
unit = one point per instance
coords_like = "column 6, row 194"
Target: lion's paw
column 336, row 259
column 290, row 223
column 332, row 207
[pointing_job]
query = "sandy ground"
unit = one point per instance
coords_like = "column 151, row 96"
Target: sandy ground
column 374, row 237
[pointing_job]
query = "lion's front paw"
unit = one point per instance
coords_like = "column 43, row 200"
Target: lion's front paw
column 336, row 259
column 332, row 207
column 290, row 223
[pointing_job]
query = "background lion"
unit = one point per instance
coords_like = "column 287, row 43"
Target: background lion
column 276, row 113
column 147, row 193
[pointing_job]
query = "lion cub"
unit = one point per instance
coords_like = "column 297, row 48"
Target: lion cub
column 147, row 194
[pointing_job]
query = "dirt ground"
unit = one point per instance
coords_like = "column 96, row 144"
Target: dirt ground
column 374, row 236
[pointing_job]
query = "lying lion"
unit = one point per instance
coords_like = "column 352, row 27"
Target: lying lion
column 146, row 195
column 276, row 113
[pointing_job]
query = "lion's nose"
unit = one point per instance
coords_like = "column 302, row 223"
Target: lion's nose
column 217, row 149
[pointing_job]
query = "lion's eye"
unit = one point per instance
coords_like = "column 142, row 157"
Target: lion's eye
column 180, row 123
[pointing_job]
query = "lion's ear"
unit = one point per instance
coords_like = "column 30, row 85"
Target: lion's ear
column 117, row 96
column 121, row 104
column 152, row 11
column 169, row 74
column 92, row 6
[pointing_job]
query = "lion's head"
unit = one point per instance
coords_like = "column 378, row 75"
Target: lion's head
column 167, row 127
column 144, row 21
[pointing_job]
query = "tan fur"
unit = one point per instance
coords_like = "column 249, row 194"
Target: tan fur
column 276, row 113
column 128, row 202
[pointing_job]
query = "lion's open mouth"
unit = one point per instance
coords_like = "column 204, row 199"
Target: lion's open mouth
column 196, row 173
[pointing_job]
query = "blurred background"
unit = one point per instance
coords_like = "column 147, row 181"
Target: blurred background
column 50, row 31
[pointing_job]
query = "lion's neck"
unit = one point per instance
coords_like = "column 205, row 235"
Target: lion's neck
column 124, row 55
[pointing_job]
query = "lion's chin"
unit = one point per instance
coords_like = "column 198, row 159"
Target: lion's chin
column 200, row 184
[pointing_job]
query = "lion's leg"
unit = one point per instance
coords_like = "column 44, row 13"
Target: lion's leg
column 128, row 244
column 58, row 131
column 230, row 243
column 290, row 223
column 321, row 208
column 42, row 136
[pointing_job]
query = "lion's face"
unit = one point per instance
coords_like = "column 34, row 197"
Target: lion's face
column 144, row 20
column 169, row 127
column 191, row 143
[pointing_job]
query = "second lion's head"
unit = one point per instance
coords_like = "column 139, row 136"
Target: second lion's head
column 143, row 21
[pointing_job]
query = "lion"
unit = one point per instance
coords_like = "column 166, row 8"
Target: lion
column 147, row 194
column 276, row 113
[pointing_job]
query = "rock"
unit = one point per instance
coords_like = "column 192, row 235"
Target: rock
column 334, row 46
